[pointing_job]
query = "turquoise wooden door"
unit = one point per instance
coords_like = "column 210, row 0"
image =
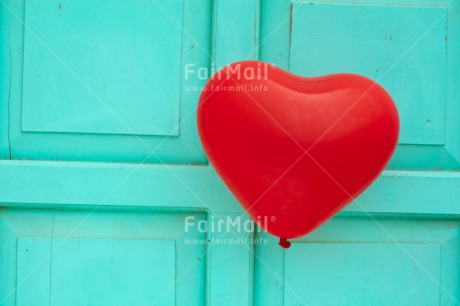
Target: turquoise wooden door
column 102, row 170
column 398, row 243
column 101, row 163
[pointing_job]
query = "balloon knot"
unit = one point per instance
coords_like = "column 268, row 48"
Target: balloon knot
column 284, row 243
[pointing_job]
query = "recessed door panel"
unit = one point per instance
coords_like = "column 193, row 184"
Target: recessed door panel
column 411, row 48
column 106, row 81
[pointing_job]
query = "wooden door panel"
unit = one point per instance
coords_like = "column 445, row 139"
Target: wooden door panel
column 100, row 257
column 364, row 257
column 388, row 44
column 120, row 51
column 363, row 261
column 95, row 271
column 68, row 160
column 409, row 47
column 105, row 81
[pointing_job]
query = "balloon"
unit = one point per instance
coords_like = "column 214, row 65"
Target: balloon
column 294, row 150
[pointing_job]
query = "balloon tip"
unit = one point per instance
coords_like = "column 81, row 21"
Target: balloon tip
column 284, row 243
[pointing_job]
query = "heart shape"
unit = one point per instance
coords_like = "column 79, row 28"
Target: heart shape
column 293, row 150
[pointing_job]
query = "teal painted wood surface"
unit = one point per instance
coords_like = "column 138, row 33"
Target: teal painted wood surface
column 5, row 77
column 409, row 47
column 102, row 257
column 138, row 270
column 102, row 45
column 364, row 261
column 389, row 32
column 397, row 244
column 90, row 213
column 65, row 94
column 199, row 274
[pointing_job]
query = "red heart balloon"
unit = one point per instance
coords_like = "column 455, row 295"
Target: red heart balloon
column 294, row 151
